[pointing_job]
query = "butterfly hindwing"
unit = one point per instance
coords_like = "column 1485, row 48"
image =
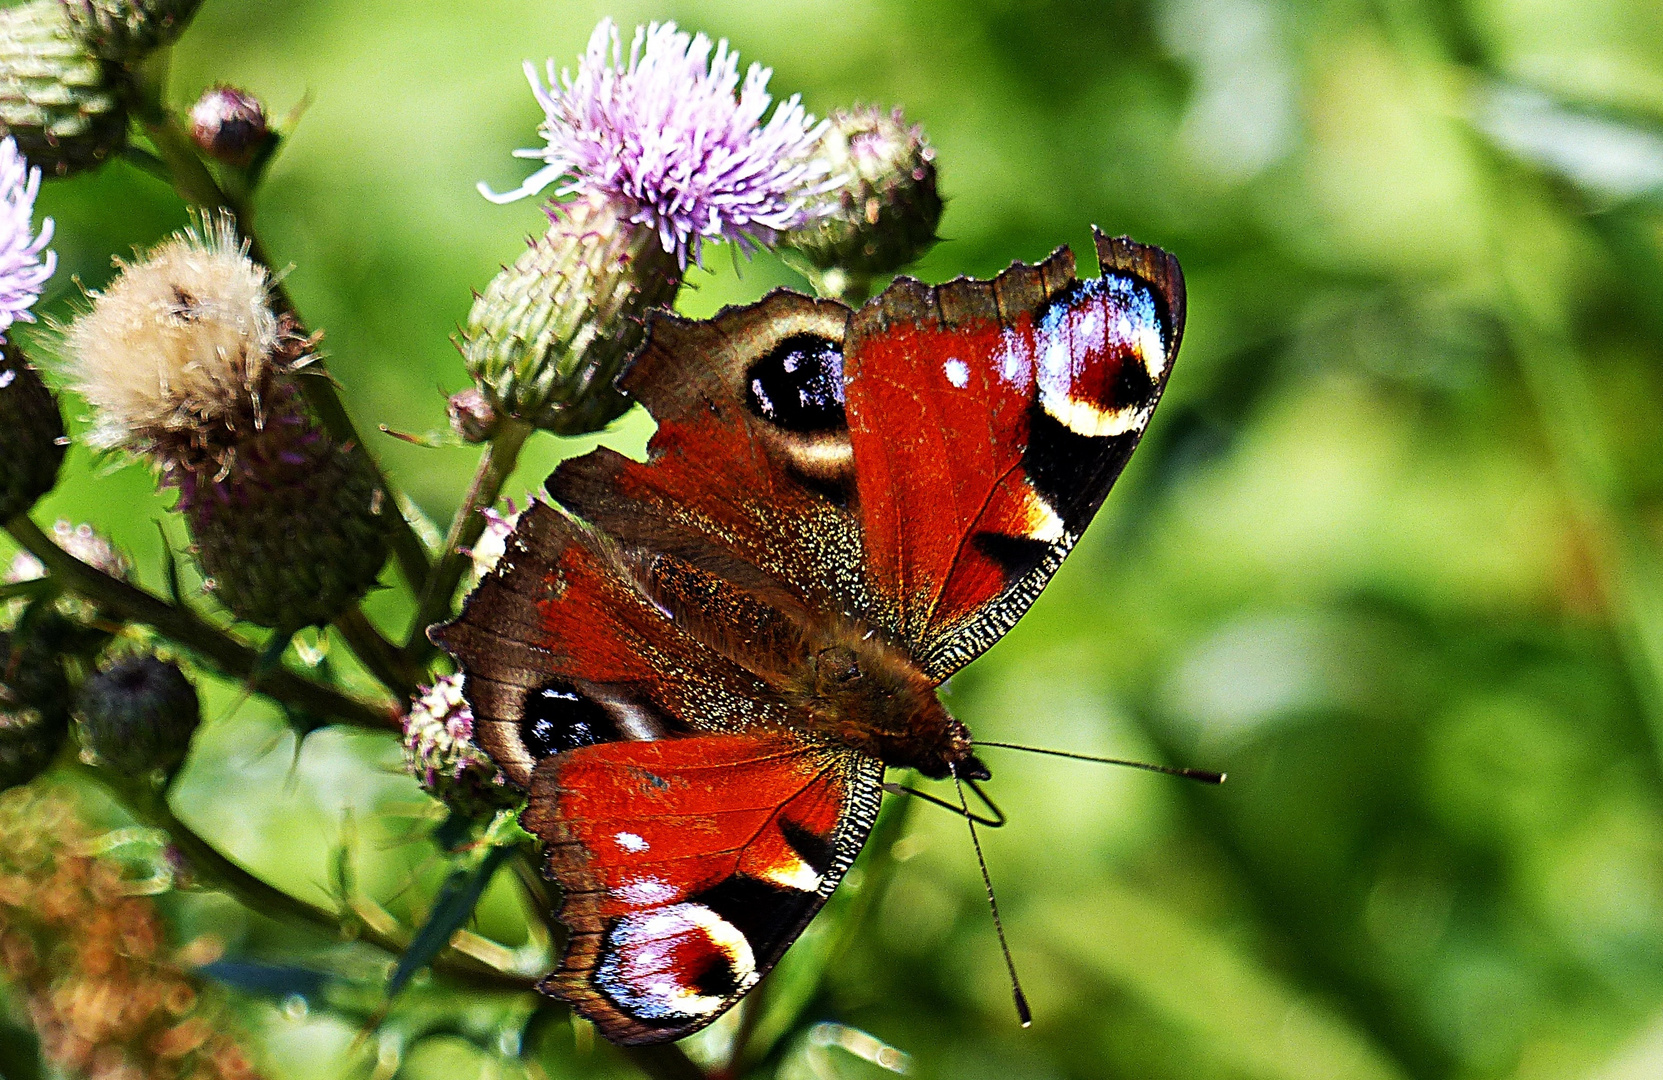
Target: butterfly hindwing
column 689, row 865
column 988, row 421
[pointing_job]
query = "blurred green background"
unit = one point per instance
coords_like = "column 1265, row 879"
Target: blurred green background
column 1391, row 554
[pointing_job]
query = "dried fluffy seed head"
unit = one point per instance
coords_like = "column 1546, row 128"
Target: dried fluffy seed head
column 182, row 358
column 551, row 332
column 58, row 98
column 32, row 440
column 887, row 208
column 181, row 340
column 440, row 753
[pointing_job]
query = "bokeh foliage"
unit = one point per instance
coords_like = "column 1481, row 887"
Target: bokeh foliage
column 1392, row 553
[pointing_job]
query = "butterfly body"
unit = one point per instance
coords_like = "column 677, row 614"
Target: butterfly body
column 699, row 666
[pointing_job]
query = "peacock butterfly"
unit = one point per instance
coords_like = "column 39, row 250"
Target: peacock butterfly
column 700, row 666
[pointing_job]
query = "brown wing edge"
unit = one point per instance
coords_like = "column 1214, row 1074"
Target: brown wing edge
column 581, row 899
column 1156, row 266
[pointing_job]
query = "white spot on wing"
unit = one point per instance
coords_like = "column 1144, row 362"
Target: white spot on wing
column 646, row 891
column 630, row 842
column 957, row 372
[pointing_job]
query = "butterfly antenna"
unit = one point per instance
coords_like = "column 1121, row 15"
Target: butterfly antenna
column 1204, row 776
column 1023, row 1013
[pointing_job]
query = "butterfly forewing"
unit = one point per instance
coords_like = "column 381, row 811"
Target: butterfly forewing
column 988, row 421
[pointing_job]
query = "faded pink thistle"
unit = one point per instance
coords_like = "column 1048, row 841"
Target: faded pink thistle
column 440, row 753
column 667, row 136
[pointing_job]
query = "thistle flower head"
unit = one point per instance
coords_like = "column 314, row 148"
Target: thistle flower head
column 23, row 271
column 181, row 340
column 439, row 751
column 667, row 135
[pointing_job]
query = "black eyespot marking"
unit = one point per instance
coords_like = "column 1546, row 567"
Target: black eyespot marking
column 558, row 717
column 798, row 384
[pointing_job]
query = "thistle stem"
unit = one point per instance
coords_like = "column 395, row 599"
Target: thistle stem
column 379, row 655
column 195, row 184
column 495, row 466
column 150, row 805
column 220, row 649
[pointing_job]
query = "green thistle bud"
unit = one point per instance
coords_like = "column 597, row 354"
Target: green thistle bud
column 440, row 753
column 60, row 100
column 34, row 709
column 128, row 30
column 552, row 331
column 887, row 208
column 32, row 439
column 137, row 716
column 183, row 359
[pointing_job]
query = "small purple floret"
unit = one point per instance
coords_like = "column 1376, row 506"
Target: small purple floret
column 22, row 270
column 668, row 137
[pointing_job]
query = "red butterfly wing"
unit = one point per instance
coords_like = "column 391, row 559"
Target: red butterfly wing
column 563, row 635
column 745, row 494
column 692, row 829
column 988, row 422
column 689, row 865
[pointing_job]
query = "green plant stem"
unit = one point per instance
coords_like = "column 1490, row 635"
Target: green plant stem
column 383, row 660
column 466, row 526
column 223, row 651
column 197, row 185
column 149, row 805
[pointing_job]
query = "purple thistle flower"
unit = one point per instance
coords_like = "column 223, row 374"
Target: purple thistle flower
column 22, row 271
column 668, row 138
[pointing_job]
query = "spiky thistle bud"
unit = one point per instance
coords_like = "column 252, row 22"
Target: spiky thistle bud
column 59, row 99
column 229, row 125
column 886, row 209
column 550, row 333
column 183, row 359
column 129, row 30
column 34, row 708
column 440, row 753
column 137, row 716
